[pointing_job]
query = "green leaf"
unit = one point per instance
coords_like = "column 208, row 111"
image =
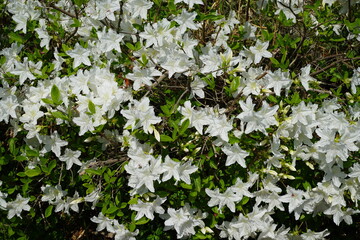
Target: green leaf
column 60, row 115
column 193, row 194
column 274, row 61
column 212, row 17
column 273, row 99
column 112, row 209
column 2, row 60
column 76, row 23
column 31, row 152
column 235, row 83
column 91, row 107
column 123, row 205
column 174, row 134
column 10, row 231
column 21, row 174
column 20, row 158
column 51, row 166
column 48, row 210
column 164, row 138
column 132, row 227
column 244, row 200
column 55, row 95
column 186, row 186
column 184, row 126
column 306, row 185
column 142, row 221
column 295, row 99
column 33, row 172
column 15, row 37
column 93, row 171
column 166, row 110
column 209, row 79
column 213, row 164
column 65, row 47
column 197, row 183
column 130, row 46
column 12, row 147
column 47, row 101
column 133, row 201
column 201, row 236
column 79, row 2
column 337, row 39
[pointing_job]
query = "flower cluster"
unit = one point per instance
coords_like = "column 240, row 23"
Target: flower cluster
column 201, row 122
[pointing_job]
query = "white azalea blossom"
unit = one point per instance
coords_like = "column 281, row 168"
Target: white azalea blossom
column 17, row 206
column 148, row 208
column 70, row 157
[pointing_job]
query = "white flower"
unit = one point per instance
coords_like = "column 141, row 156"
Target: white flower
column 184, row 221
column 85, row 122
column 186, row 20
column 294, row 197
column 71, row 157
column 305, row 77
column 197, row 118
column 219, row 126
column 8, row 107
column 80, row 55
column 311, row 235
column 32, row 113
column 52, row 193
column 54, row 143
column 257, row 52
column 142, row 76
column 278, row 80
column 355, row 80
column 235, row 154
column 17, row 206
column 148, row 208
column 157, row 33
column 339, row 215
column 3, row 202
column 141, row 114
column 197, row 86
column 26, row 69
column 103, row 222
column 121, row 233
column 146, row 175
column 109, row 40
column 138, row 8
column 93, row 197
column 185, row 170
column 260, row 120
column 171, row 169
column 228, row 198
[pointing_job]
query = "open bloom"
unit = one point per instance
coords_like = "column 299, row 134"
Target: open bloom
column 17, row 206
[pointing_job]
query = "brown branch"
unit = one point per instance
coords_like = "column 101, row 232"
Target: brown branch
column 158, row 81
column 332, row 64
column 62, row 10
column 107, row 162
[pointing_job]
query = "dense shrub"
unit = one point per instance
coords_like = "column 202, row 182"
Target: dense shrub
column 198, row 119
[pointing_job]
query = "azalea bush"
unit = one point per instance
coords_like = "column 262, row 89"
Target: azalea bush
column 179, row 119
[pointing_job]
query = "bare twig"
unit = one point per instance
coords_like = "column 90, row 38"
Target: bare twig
column 107, row 162
column 333, row 64
column 247, row 10
column 158, row 81
column 62, row 10
column 178, row 101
